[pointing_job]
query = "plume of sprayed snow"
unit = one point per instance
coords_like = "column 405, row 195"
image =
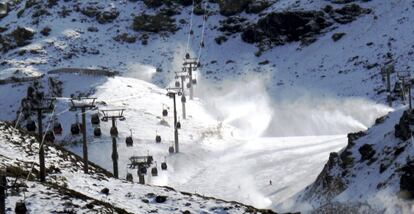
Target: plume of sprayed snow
column 246, row 105
column 243, row 104
column 142, row 72
column 313, row 115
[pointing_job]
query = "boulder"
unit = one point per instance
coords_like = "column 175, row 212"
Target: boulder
column 366, row 151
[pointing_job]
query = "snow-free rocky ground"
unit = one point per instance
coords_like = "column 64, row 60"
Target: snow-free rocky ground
column 259, row 114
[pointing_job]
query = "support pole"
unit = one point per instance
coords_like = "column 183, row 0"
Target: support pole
column 114, row 152
column 191, row 82
column 182, row 100
column 3, row 185
column 388, row 86
column 85, row 143
column 175, row 126
column 409, row 95
column 42, row 172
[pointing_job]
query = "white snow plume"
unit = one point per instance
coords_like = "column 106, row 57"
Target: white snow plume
column 142, row 72
column 243, row 103
column 313, row 115
column 246, row 104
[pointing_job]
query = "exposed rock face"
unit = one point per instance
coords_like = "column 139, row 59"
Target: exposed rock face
column 348, row 13
column 329, row 183
column 407, row 180
column 402, row 129
column 282, row 27
column 367, row 152
column 17, row 38
column 107, row 16
column 154, row 23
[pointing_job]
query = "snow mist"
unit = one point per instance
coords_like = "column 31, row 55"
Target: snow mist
column 246, row 105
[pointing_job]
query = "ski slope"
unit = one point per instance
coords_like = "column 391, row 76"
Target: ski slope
column 219, row 156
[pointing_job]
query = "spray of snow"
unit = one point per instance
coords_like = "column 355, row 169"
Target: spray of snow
column 246, row 105
column 142, row 72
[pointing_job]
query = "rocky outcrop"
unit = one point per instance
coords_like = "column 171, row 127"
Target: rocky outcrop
column 102, row 16
column 154, row 23
column 402, row 129
column 282, row 27
column 348, row 13
column 329, row 183
column 407, row 180
column 17, row 38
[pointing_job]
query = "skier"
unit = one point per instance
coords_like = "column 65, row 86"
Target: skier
column 270, row 182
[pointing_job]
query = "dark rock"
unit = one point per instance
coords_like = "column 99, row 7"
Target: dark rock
column 402, row 129
column 22, row 36
column 337, row 36
column 153, row 3
column 282, row 27
column 366, row 151
column 154, row 23
column 125, row 38
column 93, row 29
column 105, row 191
column 160, row 199
column 407, row 179
column 257, row 6
column 107, row 16
column 90, row 11
column 46, row 31
column 233, row 7
column 348, row 13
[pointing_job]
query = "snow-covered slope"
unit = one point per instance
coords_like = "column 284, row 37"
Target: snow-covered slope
column 366, row 176
column 69, row 190
column 291, row 90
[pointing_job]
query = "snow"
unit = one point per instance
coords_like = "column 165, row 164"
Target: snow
column 249, row 124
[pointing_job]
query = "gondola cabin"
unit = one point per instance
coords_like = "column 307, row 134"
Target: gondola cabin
column 164, row 166
column 158, row 139
column 97, row 132
column 129, row 141
column 154, row 171
column 95, row 119
column 75, row 129
column 57, row 128
column 171, row 149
